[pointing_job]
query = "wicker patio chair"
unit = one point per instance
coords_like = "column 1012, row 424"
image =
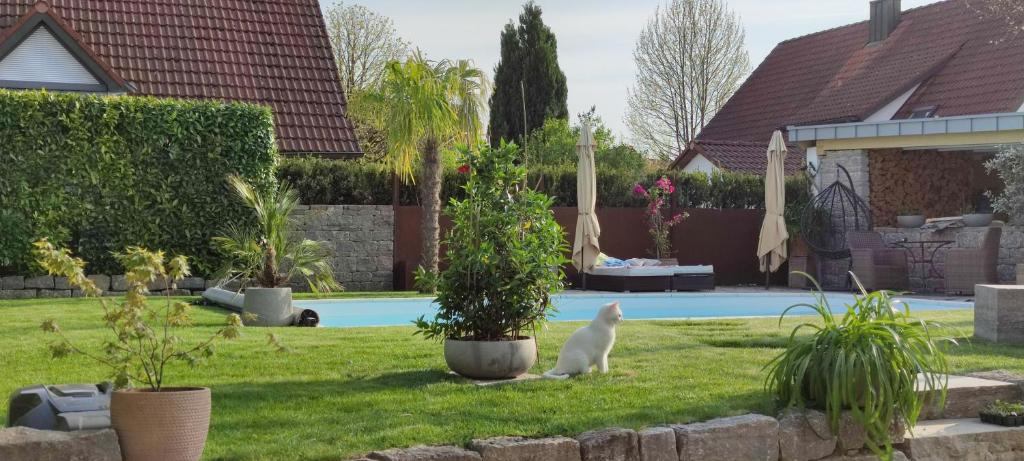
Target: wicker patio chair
column 967, row 267
column 877, row 266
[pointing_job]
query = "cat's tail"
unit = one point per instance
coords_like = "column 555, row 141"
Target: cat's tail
column 551, row 374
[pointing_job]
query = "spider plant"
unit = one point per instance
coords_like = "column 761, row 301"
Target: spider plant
column 272, row 253
column 875, row 360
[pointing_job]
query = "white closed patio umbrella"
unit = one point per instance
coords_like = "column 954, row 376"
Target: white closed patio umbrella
column 771, row 246
column 588, row 231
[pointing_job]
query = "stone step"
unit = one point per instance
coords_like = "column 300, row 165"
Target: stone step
column 967, row 396
column 965, row 439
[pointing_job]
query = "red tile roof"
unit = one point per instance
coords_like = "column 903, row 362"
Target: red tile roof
column 739, row 156
column 272, row 52
column 965, row 63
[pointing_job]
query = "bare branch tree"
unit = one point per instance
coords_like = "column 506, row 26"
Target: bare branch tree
column 690, row 59
column 363, row 42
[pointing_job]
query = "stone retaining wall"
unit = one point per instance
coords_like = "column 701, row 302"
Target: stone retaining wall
column 360, row 239
column 795, row 436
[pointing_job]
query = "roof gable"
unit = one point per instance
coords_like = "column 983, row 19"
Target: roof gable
column 41, row 51
column 271, row 52
column 739, row 156
column 961, row 63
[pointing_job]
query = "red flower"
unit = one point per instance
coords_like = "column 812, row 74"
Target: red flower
column 464, row 169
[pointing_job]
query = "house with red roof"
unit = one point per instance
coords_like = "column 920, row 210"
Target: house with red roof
column 270, row 52
column 911, row 103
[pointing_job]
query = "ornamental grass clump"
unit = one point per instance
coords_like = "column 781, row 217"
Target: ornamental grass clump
column 145, row 337
column 875, row 361
column 504, row 254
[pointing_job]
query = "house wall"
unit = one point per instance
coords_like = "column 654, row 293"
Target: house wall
column 700, row 164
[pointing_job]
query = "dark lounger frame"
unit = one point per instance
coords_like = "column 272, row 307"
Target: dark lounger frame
column 653, row 283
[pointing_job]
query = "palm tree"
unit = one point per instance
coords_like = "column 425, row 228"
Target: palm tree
column 425, row 108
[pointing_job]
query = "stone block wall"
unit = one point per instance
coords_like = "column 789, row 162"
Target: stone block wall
column 855, row 162
column 360, row 239
column 803, row 436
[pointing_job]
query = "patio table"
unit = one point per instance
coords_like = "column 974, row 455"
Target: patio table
column 920, row 253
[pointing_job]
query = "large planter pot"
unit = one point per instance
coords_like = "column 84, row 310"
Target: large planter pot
column 978, row 219
column 169, row 425
column 490, row 359
column 272, row 306
column 910, row 221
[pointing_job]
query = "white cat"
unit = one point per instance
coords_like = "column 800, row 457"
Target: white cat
column 589, row 345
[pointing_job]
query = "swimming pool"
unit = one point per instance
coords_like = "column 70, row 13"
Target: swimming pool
column 383, row 312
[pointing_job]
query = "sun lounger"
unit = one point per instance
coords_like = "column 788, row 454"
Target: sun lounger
column 651, row 278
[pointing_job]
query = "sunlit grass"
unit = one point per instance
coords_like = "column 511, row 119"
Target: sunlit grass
column 348, row 391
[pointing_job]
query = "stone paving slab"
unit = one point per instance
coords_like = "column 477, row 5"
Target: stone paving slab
column 964, row 440
column 968, row 395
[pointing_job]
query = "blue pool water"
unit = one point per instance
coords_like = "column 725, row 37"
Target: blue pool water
column 381, row 312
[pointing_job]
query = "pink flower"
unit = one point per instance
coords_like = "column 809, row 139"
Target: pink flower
column 639, row 190
column 665, row 184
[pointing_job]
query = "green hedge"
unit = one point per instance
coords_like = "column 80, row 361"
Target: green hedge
column 100, row 173
column 331, row 182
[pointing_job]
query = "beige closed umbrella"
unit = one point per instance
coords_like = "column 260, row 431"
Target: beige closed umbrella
column 771, row 247
column 588, row 231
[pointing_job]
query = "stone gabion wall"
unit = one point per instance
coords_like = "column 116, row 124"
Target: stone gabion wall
column 20, row 287
column 361, row 241
column 804, row 436
column 856, row 163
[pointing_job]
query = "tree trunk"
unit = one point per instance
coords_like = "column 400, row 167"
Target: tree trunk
column 430, row 200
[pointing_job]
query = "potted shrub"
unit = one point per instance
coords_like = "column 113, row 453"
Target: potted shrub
column 1010, row 414
column 910, row 218
column 871, row 361
column 152, row 419
column 271, row 254
column 504, row 257
column 979, row 214
column 658, row 198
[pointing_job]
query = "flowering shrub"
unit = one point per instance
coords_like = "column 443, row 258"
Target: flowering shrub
column 658, row 197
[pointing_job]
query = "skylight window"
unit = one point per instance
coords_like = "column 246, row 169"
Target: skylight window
column 924, row 112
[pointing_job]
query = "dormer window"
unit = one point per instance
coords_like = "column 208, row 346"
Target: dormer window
column 924, row 112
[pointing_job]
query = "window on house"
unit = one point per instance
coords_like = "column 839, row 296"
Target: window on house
column 924, row 112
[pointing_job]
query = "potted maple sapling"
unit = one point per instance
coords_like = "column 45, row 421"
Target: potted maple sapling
column 146, row 339
column 272, row 253
column 504, row 256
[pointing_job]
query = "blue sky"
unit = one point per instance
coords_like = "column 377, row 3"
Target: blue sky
column 596, row 37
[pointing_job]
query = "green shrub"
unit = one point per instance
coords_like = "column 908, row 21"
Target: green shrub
column 98, row 174
column 504, row 255
column 332, row 182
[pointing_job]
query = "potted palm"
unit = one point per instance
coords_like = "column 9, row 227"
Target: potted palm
column 272, row 253
column 874, row 361
column 504, row 257
column 154, row 418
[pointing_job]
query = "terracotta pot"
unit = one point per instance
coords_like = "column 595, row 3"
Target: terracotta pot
column 490, row 359
column 170, row 425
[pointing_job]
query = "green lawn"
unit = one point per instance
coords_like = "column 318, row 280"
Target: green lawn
column 347, row 391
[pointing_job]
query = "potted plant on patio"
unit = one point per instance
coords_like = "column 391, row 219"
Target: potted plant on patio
column 504, row 257
column 978, row 214
column 153, row 420
column 272, row 253
column 1009, row 414
column 910, row 218
column 874, row 361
